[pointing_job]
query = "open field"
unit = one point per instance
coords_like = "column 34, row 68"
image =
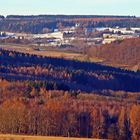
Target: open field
column 18, row 137
column 59, row 53
column 45, row 52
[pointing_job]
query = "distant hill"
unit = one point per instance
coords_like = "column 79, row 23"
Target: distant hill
column 122, row 53
column 67, row 16
column 36, row 24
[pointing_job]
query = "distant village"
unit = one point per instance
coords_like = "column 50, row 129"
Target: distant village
column 67, row 36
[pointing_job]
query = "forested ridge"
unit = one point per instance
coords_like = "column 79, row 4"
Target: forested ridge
column 57, row 97
column 36, row 24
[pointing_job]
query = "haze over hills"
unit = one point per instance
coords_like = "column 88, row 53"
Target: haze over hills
column 66, row 16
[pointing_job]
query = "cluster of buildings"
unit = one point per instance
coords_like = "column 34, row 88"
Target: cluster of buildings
column 114, row 34
column 92, row 36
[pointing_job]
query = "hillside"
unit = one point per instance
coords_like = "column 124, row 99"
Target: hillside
column 56, row 97
column 73, row 75
column 37, row 24
column 122, row 54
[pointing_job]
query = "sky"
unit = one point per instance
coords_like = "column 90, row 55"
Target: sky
column 79, row 7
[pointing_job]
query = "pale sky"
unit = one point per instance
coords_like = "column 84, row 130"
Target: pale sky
column 92, row 7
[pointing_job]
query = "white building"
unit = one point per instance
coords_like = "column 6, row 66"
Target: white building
column 122, row 30
column 108, row 40
column 49, row 35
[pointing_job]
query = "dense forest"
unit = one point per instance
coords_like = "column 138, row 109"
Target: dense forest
column 57, row 97
column 36, row 24
column 30, row 108
column 74, row 75
column 126, row 52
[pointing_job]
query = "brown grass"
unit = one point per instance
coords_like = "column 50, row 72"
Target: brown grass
column 49, row 53
column 21, row 137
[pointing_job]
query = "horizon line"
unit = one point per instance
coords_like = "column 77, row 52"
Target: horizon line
column 113, row 15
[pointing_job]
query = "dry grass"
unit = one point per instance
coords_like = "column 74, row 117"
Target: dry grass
column 56, row 54
column 49, row 53
column 21, row 137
